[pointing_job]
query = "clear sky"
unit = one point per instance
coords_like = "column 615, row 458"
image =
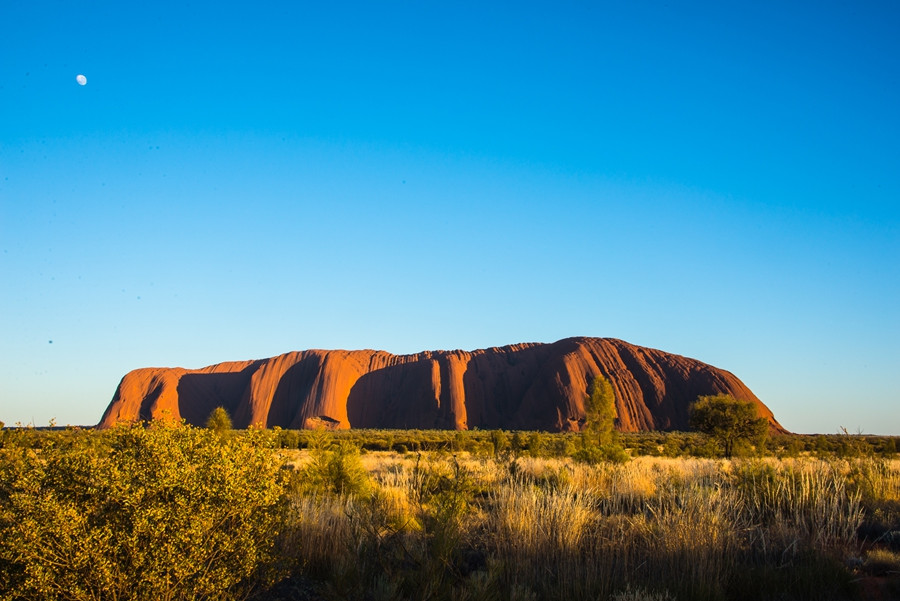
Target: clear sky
column 719, row 180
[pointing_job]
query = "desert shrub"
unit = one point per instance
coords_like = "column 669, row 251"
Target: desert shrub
column 164, row 512
column 591, row 452
column 562, row 446
column 499, row 441
column 535, row 444
column 444, row 493
column 596, row 454
column 647, row 447
column 334, row 467
column 219, row 421
column 517, row 442
column 503, row 528
column 700, row 447
column 786, row 445
column 885, row 447
column 290, row 439
column 672, row 446
column 405, row 540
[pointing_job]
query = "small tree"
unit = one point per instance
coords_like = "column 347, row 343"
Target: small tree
column 727, row 420
column 598, row 440
column 600, row 411
column 219, row 421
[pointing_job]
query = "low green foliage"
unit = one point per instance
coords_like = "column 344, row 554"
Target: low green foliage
column 499, row 441
column 334, row 467
column 589, row 452
column 444, row 494
column 162, row 512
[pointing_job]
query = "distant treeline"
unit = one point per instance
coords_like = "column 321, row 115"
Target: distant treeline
column 548, row 444
column 555, row 444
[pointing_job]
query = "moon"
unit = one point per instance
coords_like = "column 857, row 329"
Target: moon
column 81, row 79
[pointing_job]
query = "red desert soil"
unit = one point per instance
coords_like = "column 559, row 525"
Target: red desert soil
column 522, row 387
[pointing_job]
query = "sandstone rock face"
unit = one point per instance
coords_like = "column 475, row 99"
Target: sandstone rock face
column 519, row 387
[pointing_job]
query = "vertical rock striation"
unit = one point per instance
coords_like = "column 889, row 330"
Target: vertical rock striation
column 521, row 386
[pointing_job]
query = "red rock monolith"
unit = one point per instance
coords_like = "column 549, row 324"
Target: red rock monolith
column 528, row 386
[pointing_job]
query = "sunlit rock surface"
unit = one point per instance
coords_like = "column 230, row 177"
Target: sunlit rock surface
column 519, row 387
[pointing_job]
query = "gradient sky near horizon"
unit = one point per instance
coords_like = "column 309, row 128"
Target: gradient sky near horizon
column 714, row 179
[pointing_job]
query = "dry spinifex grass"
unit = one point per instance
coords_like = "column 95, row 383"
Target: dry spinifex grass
column 553, row 529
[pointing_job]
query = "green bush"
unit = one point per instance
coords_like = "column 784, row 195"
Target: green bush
column 334, row 467
column 499, row 441
column 592, row 454
column 535, row 444
column 219, row 421
column 288, row 439
column 163, row 512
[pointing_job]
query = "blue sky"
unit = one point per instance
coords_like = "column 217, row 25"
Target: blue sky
column 718, row 180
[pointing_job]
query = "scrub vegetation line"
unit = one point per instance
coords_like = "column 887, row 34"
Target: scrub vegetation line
column 170, row 511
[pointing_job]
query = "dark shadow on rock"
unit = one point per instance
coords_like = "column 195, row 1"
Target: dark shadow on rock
column 200, row 393
column 399, row 396
column 145, row 414
column 497, row 386
column 292, row 403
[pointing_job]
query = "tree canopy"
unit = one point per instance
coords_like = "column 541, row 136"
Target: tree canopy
column 727, row 420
